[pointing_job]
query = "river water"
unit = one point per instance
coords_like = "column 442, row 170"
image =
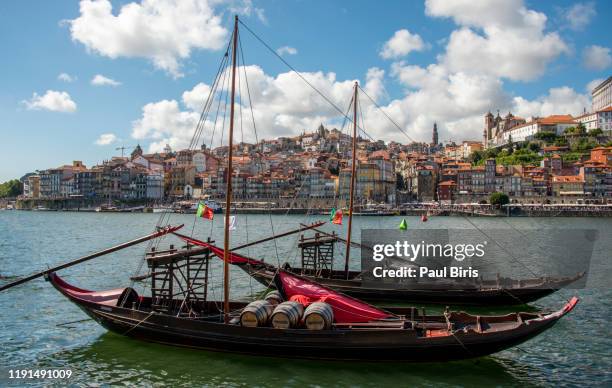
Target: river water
column 577, row 351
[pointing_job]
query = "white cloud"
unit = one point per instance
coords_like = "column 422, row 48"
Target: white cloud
column 375, row 86
column 498, row 37
column 286, row 50
column 100, row 80
column 246, row 8
column 401, row 43
column 106, row 139
column 66, row 77
column 456, row 101
column 194, row 99
column 579, row 15
column 282, row 105
column 562, row 100
column 591, row 85
column 455, row 91
column 165, row 32
column 596, row 57
column 163, row 122
column 52, row 100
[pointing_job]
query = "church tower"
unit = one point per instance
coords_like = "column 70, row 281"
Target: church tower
column 137, row 152
column 435, row 135
column 489, row 123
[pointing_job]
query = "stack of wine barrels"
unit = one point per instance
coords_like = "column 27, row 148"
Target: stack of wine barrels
column 256, row 314
column 318, row 316
column 287, row 315
column 274, row 297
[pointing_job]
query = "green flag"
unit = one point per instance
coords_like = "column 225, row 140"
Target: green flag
column 403, row 225
column 332, row 214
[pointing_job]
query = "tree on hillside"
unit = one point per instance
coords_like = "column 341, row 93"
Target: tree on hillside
column 546, row 136
column 476, row 156
column 510, row 143
column 534, row 147
column 10, row 189
column 499, row 199
column 595, row 132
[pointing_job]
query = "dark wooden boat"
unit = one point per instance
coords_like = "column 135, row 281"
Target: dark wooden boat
column 502, row 291
column 409, row 336
column 507, row 292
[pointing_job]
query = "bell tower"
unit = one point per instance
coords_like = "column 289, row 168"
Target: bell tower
column 434, row 139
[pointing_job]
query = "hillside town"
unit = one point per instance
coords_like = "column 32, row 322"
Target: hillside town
column 558, row 159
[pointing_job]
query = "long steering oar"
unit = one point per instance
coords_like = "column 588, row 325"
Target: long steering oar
column 151, row 236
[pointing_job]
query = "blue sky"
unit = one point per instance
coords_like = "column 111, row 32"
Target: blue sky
column 427, row 75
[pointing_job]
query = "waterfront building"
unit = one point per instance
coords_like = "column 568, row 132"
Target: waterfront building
column 31, row 186
column 568, row 185
column 446, row 191
column 181, row 176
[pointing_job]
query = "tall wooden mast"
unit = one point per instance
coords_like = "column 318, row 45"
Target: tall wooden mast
column 228, row 190
column 347, row 256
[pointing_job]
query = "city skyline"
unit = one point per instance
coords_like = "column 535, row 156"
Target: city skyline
column 77, row 84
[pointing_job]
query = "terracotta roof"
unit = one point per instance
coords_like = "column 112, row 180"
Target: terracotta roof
column 568, row 179
column 556, row 119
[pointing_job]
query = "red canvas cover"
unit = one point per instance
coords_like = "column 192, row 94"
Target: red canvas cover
column 234, row 258
column 346, row 309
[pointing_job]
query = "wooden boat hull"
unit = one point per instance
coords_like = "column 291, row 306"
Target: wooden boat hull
column 372, row 344
column 485, row 296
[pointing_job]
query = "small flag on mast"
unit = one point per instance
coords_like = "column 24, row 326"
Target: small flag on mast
column 204, row 212
column 336, row 217
column 232, row 222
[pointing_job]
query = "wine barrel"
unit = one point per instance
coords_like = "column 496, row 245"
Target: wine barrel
column 287, row 315
column 318, row 316
column 256, row 313
column 274, row 297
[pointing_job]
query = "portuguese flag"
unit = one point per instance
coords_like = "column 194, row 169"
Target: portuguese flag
column 336, row 217
column 204, row 211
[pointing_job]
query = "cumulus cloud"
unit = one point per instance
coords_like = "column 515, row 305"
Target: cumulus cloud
column 460, row 100
column 100, row 80
column 283, row 105
column 246, row 8
column 52, row 100
column 165, row 32
column 591, row 85
column 194, row 99
column 66, row 77
column 562, row 100
column 510, row 40
column 106, row 139
column 497, row 37
column 401, row 43
column 286, row 50
column 578, row 16
column 596, row 57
